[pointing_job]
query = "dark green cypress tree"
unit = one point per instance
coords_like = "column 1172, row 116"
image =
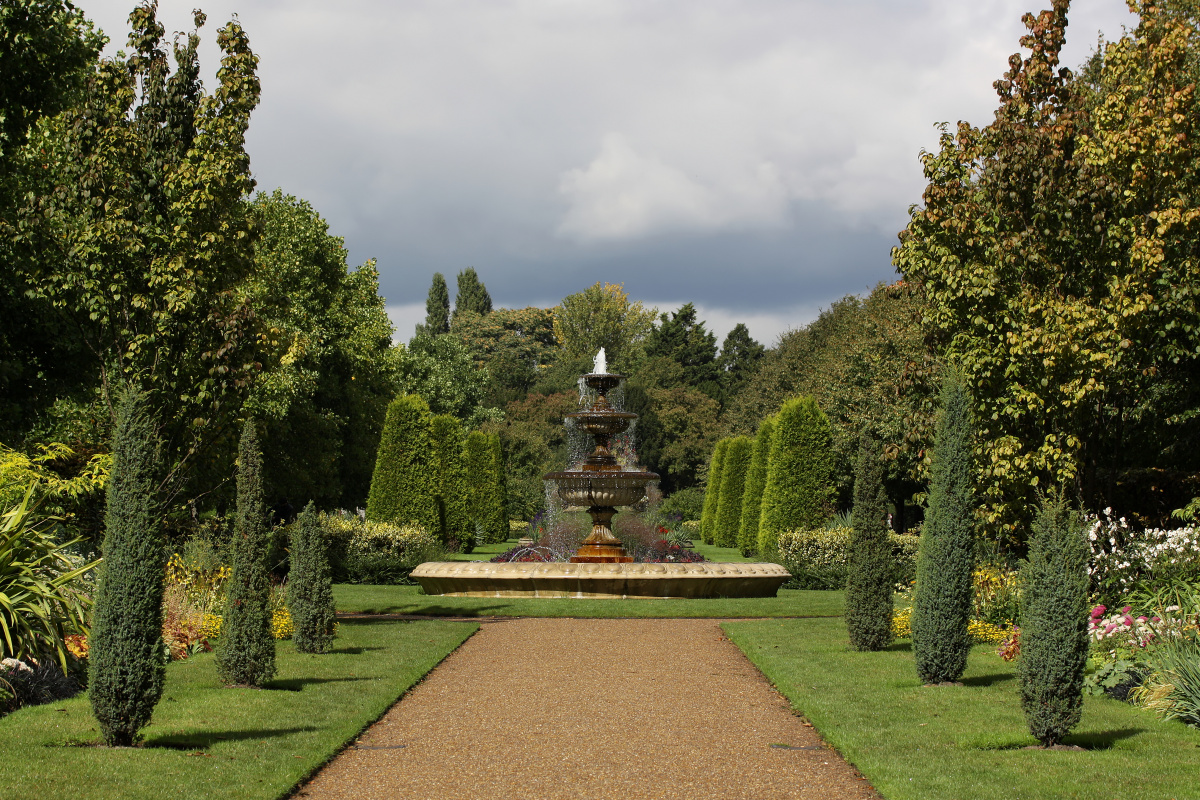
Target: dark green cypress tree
column 498, row 494
column 870, row 569
column 402, row 488
column 799, row 490
column 310, row 585
column 479, row 487
column 712, row 492
column 126, row 659
column 1054, row 613
column 437, row 307
column 733, row 485
column 472, row 294
column 942, row 606
column 756, row 480
column 246, row 654
column 449, row 478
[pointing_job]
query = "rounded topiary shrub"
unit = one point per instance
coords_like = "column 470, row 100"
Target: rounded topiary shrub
column 869, row 571
column 449, row 478
column 728, row 517
column 799, row 487
column 756, row 480
column 402, row 487
column 310, row 585
column 712, row 491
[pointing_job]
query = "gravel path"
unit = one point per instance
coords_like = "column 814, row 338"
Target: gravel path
column 540, row 709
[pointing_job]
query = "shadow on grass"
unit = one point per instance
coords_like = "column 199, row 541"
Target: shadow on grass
column 901, row 646
column 298, row 684
column 1099, row 740
column 353, row 651
column 988, row 680
column 206, row 739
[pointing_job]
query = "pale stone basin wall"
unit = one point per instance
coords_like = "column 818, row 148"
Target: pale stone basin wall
column 533, row 579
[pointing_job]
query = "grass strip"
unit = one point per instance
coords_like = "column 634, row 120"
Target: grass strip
column 206, row 741
column 377, row 599
column 919, row 743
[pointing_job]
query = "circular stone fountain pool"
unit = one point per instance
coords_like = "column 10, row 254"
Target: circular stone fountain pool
column 601, row 567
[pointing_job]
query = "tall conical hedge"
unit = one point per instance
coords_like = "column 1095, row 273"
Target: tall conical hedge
column 733, row 484
column 485, row 503
column 870, row 568
column 449, row 478
column 246, row 655
column 402, row 486
column 712, row 492
column 799, row 489
column 498, row 497
column 1054, row 614
column 942, row 606
column 125, row 662
column 756, row 480
column 310, row 585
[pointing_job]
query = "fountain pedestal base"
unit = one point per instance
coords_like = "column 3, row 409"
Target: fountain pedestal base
column 601, row 554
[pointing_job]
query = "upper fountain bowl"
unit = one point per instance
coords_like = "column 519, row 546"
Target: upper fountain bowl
column 603, row 382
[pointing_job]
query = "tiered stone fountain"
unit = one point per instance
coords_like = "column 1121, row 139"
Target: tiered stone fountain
column 601, row 567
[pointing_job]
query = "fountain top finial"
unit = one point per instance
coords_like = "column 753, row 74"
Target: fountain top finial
column 601, row 365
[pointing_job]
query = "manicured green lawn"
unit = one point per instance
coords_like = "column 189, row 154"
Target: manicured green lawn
column 208, row 742
column 483, row 552
column 366, row 599
column 918, row 743
column 725, row 554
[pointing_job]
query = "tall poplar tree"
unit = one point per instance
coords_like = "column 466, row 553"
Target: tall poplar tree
column 472, row 294
column 246, row 654
column 125, row 661
column 942, row 606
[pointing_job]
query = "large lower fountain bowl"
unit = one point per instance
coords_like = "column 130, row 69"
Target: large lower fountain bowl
column 615, row 581
column 615, row 488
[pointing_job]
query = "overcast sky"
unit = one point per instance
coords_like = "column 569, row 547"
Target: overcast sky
column 756, row 157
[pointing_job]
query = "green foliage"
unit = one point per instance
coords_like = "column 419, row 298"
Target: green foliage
column 43, row 598
column 739, row 361
column 441, row 370
column 683, row 339
column 472, row 295
column 820, row 559
column 1054, row 614
column 686, row 504
column 497, row 510
column 449, row 479
column 310, row 586
column 756, row 481
column 866, row 363
column 329, row 367
column 375, row 552
column 125, row 658
column 515, row 346
column 534, row 441
column 437, row 307
column 942, row 605
column 134, row 227
column 798, row 492
column 733, row 483
column 246, row 655
column 402, row 487
column 1058, row 249
column 712, row 491
column 480, row 487
column 677, row 428
column 869, row 580
column 602, row 316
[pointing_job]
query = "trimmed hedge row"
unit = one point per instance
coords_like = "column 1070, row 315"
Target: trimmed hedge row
column 819, row 558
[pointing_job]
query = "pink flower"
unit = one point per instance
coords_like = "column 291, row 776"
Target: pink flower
column 1125, row 610
column 1098, row 610
column 1141, row 619
column 1128, row 621
column 1109, row 628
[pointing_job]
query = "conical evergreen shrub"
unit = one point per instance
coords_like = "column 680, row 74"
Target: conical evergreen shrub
column 942, row 606
column 449, row 478
column 497, row 510
column 733, row 484
column 870, row 568
column 799, row 489
column 310, row 585
column 756, row 480
column 1054, row 614
column 479, row 482
column 402, row 488
column 246, row 654
column 712, row 492
column 125, row 661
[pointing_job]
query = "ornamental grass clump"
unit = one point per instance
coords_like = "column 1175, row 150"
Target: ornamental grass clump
column 246, row 656
column 942, row 605
column 1054, row 622
column 310, row 586
column 125, row 658
column 869, row 580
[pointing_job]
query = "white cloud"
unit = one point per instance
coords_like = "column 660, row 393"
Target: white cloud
column 405, row 319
